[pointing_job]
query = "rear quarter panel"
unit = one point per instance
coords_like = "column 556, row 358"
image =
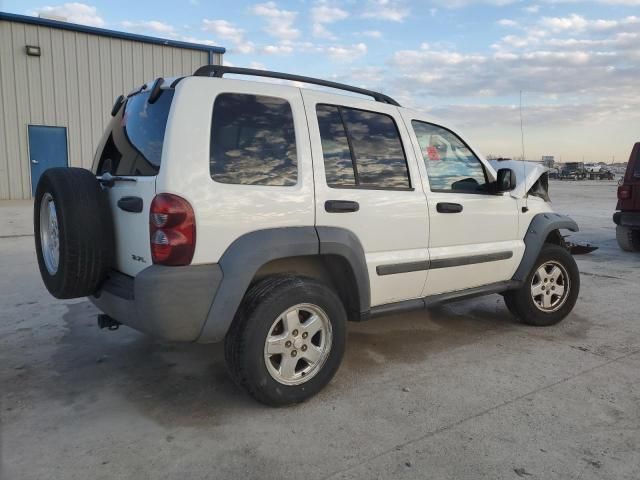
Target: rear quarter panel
column 225, row 212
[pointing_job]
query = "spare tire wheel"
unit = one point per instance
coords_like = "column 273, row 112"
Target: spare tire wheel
column 73, row 232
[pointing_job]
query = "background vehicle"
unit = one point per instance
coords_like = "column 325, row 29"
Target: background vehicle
column 598, row 172
column 573, row 171
column 265, row 216
column 627, row 218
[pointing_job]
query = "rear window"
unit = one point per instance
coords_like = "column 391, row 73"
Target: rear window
column 136, row 136
column 253, row 141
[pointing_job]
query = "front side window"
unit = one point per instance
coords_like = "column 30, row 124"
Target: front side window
column 451, row 165
column 253, row 141
column 361, row 149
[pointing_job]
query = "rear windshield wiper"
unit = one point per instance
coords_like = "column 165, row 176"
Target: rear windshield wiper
column 109, row 180
column 137, row 90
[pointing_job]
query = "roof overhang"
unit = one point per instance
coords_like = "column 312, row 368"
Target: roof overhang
column 74, row 27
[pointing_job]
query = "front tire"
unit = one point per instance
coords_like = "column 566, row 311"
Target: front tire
column 549, row 292
column 287, row 340
column 628, row 238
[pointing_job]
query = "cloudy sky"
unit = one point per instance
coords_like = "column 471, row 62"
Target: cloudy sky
column 464, row 61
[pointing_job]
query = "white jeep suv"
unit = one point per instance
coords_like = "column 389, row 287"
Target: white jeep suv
column 266, row 216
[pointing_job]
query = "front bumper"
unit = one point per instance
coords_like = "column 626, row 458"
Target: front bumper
column 171, row 303
column 627, row 219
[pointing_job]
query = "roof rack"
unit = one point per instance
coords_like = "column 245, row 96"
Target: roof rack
column 220, row 70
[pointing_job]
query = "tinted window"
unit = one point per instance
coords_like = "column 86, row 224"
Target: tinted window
column 361, row 148
column 134, row 145
column 451, row 165
column 377, row 147
column 253, row 141
column 338, row 166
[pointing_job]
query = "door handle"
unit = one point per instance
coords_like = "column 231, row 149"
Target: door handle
column 130, row 204
column 34, row 161
column 445, row 207
column 341, row 206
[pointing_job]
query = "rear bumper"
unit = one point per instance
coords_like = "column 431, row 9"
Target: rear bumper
column 627, row 219
column 171, row 303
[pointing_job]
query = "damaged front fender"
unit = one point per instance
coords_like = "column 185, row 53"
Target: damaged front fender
column 531, row 178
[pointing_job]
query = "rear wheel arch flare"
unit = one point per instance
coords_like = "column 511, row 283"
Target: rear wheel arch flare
column 334, row 270
column 248, row 254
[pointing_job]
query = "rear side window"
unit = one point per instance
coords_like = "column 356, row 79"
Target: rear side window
column 253, row 141
column 134, row 145
column 338, row 165
column 361, row 149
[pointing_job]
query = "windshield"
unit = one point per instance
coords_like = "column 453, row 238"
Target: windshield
column 136, row 136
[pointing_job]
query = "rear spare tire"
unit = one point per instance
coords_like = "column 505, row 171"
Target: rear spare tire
column 73, row 232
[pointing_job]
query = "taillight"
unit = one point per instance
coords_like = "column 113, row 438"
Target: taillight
column 624, row 192
column 172, row 227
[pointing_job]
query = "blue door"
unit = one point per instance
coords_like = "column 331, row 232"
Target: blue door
column 47, row 149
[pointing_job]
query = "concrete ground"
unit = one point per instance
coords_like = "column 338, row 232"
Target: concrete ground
column 459, row 392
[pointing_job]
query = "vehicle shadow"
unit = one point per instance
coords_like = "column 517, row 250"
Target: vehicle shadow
column 188, row 385
column 413, row 337
column 178, row 383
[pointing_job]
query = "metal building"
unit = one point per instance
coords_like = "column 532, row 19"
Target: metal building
column 58, row 82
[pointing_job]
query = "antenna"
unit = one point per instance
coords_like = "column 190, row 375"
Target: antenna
column 524, row 166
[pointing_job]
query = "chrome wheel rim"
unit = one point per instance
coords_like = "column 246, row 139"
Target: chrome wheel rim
column 298, row 344
column 49, row 234
column 550, row 286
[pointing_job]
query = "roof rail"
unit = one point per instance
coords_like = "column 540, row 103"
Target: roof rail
column 220, row 70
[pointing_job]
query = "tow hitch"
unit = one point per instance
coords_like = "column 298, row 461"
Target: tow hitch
column 105, row 321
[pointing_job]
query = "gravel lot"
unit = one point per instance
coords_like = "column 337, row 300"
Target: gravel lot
column 460, row 391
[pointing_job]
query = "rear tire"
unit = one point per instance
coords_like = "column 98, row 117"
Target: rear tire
column 73, row 232
column 628, row 238
column 262, row 329
column 539, row 302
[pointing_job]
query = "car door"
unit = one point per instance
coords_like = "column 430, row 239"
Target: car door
column 367, row 181
column 473, row 233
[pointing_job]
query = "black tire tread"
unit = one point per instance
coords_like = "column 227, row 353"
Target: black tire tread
column 236, row 346
column 628, row 238
column 86, row 232
column 520, row 303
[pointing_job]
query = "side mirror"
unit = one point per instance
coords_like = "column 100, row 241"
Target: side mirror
column 506, row 180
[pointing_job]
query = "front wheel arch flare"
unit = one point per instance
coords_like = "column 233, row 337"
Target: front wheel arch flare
column 541, row 227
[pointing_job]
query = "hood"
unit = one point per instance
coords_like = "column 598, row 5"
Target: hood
column 531, row 171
